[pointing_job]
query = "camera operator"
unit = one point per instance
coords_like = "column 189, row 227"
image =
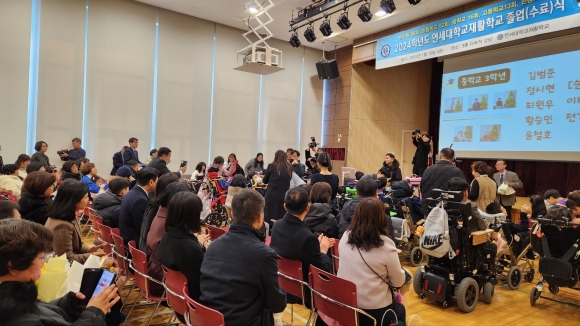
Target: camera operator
column 421, row 158
column 73, row 154
column 298, row 167
column 311, row 154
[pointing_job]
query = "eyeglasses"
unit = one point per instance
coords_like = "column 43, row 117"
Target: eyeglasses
column 54, row 185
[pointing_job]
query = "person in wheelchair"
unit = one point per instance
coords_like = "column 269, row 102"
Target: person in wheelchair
column 459, row 184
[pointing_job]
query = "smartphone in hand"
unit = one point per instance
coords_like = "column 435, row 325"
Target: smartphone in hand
column 183, row 163
column 94, row 281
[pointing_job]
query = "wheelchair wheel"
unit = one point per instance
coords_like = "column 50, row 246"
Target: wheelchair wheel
column 529, row 276
column 514, row 278
column 467, row 294
column 487, row 292
column 214, row 219
column 554, row 289
column 417, row 282
column 534, row 296
column 416, row 256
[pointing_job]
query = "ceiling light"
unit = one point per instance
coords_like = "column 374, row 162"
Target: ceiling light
column 414, row 2
column 325, row 28
column 380, row 13
column 255, row 10
column 364, row 12
column 388, row 6
column 309, row 34
column 294, row 40
column 343, row 21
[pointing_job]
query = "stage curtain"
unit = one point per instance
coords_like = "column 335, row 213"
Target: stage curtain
column 336, row 154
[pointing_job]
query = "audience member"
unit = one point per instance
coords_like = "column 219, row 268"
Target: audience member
column 483, row 189
column 23, row 245
column 40, row 156
column 278, row 176
column 460, row 184
column 153, row 206
column 126, row 173
column 181, row 248
column 237, row 185
column 538, row 209
column 256, row 166
column 134, row 204
column 131, row 152
column 218, row 166
column 89, row 170
column 10, row 180
column 118, row 160
column 152, row 154
column 289, row 153
column 75, row 153
column 503, row 176
column 23, row 161
column 72, row 196
column 37, row 199
column 438, row 176
column 325, row 174
column 9, row 209
column 108, row 205
column 34, row 167
column 421, row 157
column 573, row 203
column 292, row 238
column 552, row 198
column 298, row 167
column 70, row 170
column 160, row 162
column 369, row 259
column 392, row 164
column 239, row 273
column 199, row 172
column 320, row 219
column 81, row 162
column 231, row 159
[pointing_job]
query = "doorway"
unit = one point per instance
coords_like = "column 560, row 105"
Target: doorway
column 408, row 150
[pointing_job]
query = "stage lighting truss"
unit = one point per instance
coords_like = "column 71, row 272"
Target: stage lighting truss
column 364, row 12
column 294, row 40
column 388, row 6
column 309, row 34
column 414, row 2
column 343, row 22
column 325, row 28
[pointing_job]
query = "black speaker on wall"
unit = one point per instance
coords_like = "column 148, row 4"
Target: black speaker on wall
column 327, row 69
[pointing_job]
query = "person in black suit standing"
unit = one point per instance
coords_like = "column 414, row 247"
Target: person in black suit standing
column 291, row 238
column 134, row 204
column 131, row 153
column 118, row 160
column 163, row 158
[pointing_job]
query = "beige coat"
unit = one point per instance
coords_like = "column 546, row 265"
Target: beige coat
column 68, row 240
column 12, row 183
column 487, row 192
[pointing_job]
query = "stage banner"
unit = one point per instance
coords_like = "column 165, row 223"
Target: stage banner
column 493, row 24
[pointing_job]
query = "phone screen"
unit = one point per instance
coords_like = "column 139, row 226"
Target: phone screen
column 105, row 281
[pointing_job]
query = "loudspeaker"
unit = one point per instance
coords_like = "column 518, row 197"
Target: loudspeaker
column 327, row 69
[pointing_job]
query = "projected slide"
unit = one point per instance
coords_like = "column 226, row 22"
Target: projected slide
column 523, row 106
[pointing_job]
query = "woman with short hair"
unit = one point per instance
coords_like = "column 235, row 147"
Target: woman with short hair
column 483, row 189
column 40, row 156
column 37, row 197
column 369, row 259
column 89, row 170
column 72, row 197
column 70, row 170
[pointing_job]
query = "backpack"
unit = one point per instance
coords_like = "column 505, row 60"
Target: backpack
column 435, row 240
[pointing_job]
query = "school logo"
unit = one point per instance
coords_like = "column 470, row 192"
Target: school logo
column 432, row 242
column 385, row 51
column 500, row 37
column 449, row 83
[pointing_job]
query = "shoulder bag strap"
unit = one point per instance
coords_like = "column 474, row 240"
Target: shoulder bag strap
column 377, row 274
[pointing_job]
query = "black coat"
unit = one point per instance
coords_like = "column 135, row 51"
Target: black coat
column 321, row 220
column 160, row 165
column 133, row 208
column 19, row 307
column 291, row 238
column 436, row 177
column 421, row 157
column 107, row 205
column 396, row 174
column 278, row 184
column 68, row 175
column 34, row 208
column 117, row 162
column 130, row 154
column 181, row 251
column 239, row 277
column 347, row 212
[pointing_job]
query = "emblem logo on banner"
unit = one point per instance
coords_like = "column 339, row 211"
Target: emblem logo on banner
column 385, row 51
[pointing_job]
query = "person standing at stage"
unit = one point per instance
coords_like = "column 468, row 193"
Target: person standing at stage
column 421, row 158
column 503, row 176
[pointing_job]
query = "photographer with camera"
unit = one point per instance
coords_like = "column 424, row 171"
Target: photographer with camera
column 311, row 155
column 421, row 158
column 73, row 154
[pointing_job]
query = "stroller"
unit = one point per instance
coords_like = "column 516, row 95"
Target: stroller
column 557, row 241
column 468, row 269
column 216, row 190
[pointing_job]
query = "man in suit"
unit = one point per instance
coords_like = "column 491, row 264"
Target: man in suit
column 118, row 160
column 134, row 204
column 131, row 153
column 160, row 162
column 503, row 176
column 291, row 238
column 239, row 272
column 298, row 167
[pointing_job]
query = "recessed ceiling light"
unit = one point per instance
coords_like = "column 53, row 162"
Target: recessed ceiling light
column 380, row 13
column 253, row 10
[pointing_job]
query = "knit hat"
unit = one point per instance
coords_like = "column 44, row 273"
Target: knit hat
column 124, row 171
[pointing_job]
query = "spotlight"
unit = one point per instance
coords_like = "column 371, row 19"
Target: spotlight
column 388, row 6
column 309, row 34
column 294, row 40
column 364, row 12
column 343, row 21
column 414, row 2
column 380, row 13
column 325, row 28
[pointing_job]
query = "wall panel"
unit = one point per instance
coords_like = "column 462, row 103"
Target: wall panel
column 312, row 111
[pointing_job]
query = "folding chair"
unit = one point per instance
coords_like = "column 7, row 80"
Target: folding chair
column 334, row 299
column 290, row 279
column 214, row 232
column 95, row 220
column 175, row 285
column 139, row 265
column 334, row 255
column 196, row 314
column 106, row 238
column 122, row 260
column 86, row 215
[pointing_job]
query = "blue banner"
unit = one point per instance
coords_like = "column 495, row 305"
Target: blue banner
column 485, row 26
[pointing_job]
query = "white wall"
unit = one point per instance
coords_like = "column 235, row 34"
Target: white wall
column 198, row 105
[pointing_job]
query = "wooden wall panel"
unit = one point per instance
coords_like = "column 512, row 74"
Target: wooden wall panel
column 384, row 103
